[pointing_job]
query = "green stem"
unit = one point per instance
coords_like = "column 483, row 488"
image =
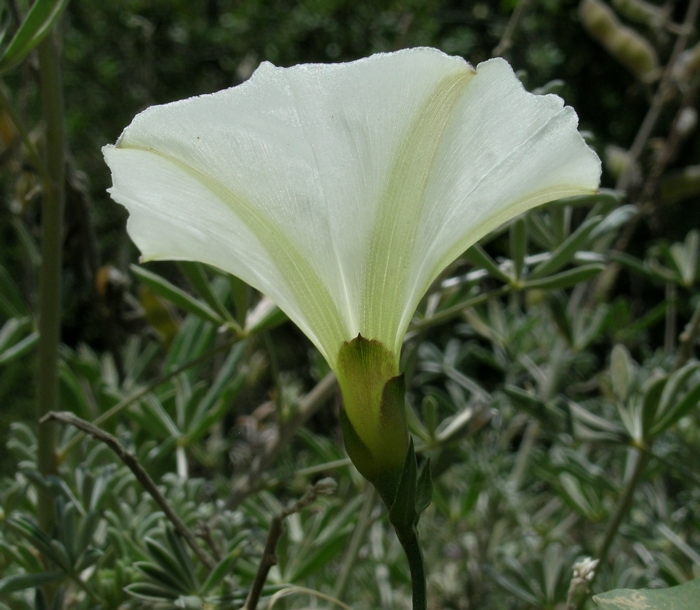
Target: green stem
column 621, row 510
column 623, row 505
column 411, row 547
column 52, row 202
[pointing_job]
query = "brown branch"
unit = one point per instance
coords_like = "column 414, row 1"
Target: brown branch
column 660, row 97
column 606, row 280
column 143, row 477
column 308, row 406
column 268, row 560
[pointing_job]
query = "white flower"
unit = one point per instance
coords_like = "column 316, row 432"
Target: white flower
column 342, row 190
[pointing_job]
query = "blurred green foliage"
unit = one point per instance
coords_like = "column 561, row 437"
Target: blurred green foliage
column 537, row 391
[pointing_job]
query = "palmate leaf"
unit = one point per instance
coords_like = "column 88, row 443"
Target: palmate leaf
column 682, row 597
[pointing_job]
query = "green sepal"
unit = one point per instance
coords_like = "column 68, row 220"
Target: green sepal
column 359, row 453
column 424, row 488
column 402, row 512
column 374, row 412
column 412, row 496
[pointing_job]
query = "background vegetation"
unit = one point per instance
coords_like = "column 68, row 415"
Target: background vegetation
column 552, row 370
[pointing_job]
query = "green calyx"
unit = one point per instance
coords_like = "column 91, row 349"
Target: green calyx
column 373, row 417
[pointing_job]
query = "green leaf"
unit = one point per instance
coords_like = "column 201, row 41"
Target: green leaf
column 169, row 581
column 650, row 403
column 685, row 257
column 194, row 272
column 539, row 231
column 12, row 304
column 12, row 330
column 565, row 252
column 477, row 255
column 19, row 349
column 225, row 383
column 319, row 558
column 557, row 302
column 19, row 582
column 183, row 559
column 149, row 592
column 31, row 532
column 241, row 294
column 605, row 198
column 402, row 514
column 165, row 289
column 566, row 279
column 424, row 487
column 518, row 246
column 634, row 264
column 621, row 372
column 676, row 411
column 682, row 597
column 613, row 221
column 265, row 316
column 536, row 407
column 220, row 571
column 429, row 410
column 36, row 25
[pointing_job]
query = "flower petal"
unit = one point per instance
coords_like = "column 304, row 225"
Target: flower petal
column 505, row 151
column 279, row 180
column 341, row 191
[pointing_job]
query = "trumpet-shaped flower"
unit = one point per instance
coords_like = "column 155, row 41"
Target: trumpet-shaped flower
column 342, row 191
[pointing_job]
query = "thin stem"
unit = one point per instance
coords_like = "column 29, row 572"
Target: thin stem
column 267, row 562
column 141, row 475
column 623, row 504
column 358, row 536
column 622, row 508
column 52, row 202
column 414, row 554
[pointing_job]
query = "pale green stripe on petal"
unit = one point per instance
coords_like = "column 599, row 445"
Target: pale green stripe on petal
column 389, row 261
column 310, row 297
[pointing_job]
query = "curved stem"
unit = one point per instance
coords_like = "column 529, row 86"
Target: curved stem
column 621, row 510
column 623, row 505
column 411, row 547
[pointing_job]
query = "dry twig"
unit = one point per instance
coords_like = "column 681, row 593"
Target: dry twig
column 325, row 486
column 143, row 477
